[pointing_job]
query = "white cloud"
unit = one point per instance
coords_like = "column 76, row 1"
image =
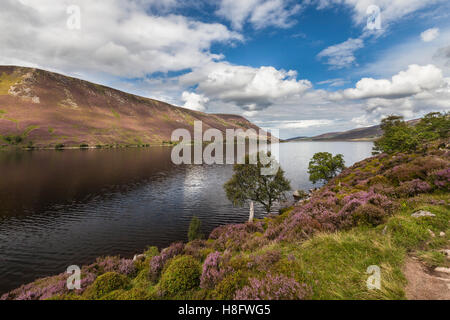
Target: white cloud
column 194, row 101
column 260, row 13
column 416, row 79
column 117, row 37
column 341, row 55
column 391, row 11
column 338, row 82
column 250, row 88
column 429, row 35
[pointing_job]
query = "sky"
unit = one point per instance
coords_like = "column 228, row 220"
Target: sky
column 302, row 67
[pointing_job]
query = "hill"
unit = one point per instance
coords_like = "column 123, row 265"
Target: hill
column 46, row 109
column 359, row 134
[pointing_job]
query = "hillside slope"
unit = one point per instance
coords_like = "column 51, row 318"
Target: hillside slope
column 46, row 109
column 361, row 134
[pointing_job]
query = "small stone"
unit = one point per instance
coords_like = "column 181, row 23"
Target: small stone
column 442, row 270
column 431, row 233
column 384, row 230
column 139, row 257
column 422, row 213
column 442, row 234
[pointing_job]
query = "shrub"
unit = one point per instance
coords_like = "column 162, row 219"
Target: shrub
column 412, row 188
column 84, row 146
column 194, row 229
column 59, row 146
column 157, row 263
column 182, row 275
column 107, row 283
column 232, row 282
column 441, row 178
column 273, row 287
column 214, row 269
column 127, row 267
column 370, row 214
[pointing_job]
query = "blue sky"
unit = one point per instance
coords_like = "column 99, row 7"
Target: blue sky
column 303, row 67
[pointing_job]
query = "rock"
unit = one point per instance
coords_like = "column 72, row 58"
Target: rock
column 422, row 213
column 140, row 257
column 384, row 230
column 442, row 234
column 442, row 270
column 446, row 252
column 431, row 233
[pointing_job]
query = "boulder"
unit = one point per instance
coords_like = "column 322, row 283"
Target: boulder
column 422, row 213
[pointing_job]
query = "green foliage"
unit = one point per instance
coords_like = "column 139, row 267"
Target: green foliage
column 324, row 167
column 84, row 146
column 227, row 288
column 182, row 275
column 13, row 139
column 250, row 183
column 433, row 126
column 370, row 214
column 105, row 284
column 59, row 146
column 399, row 136
column 195, row 229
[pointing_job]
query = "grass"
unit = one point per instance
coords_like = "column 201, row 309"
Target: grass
column 115, row 114
column 6, row 81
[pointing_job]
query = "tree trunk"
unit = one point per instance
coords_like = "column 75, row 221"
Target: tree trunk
column 252, row 212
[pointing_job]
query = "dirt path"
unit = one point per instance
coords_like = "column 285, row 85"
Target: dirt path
column 425, row 285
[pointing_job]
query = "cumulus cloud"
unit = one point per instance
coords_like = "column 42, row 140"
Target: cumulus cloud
column 250, row 88
column 341, row 55
column 194, row 101
column 415, row 91
column 260, row 13
column 414, row 80
column 429, row 35
column 116, row 37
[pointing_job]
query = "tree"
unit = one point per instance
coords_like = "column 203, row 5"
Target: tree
column 433, row 126
column 248, row 183
column 398, row 136
column 194, row 229
column 324, row 167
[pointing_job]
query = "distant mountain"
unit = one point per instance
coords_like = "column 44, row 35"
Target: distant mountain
column 359, row 134
column 47, row 109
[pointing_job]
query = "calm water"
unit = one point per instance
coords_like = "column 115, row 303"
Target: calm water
column 69, row 207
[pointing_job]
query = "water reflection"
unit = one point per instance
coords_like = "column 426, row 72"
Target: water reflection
column 64, row 208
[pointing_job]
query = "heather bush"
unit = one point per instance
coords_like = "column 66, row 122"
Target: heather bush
column 412, row 188
column 198, row 249
column 233, row 237
column 157, row 263
column 127, row 267
column 265, row 260
column 182, row 275
column 405, row 172
column 273, row 287
column 441, row 178
column 214, row 269
column 105, row 284
column 368, row 214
